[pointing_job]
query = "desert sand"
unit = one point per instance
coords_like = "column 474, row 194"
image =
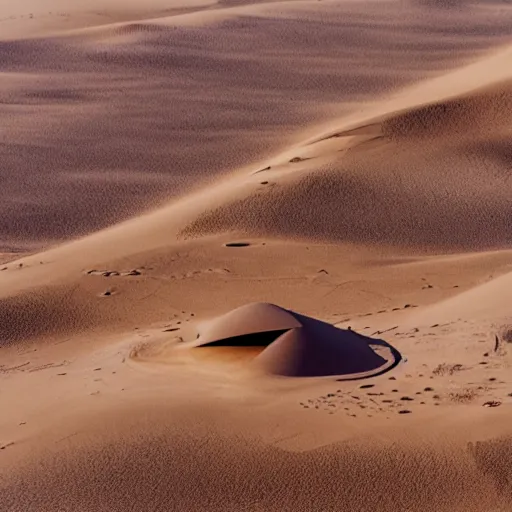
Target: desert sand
column 255, row 256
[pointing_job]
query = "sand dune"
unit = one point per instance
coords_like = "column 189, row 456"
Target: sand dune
column 119, row 121
column 170, row 170
column 377, row 187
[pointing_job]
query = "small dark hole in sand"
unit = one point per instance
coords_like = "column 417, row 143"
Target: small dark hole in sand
column 237, row 244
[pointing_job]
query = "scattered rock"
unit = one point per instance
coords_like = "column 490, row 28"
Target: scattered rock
column 392, row 378
column 406, row 398
column 295, row 160
column 134, row 272
column 436, row 397
column 263, row 182
column 394, row 391
column 60, row 374
column 109, row 273
column 492, row 403
column 97, row 369
column 322, row 271
column 404, row 411
column 428, row 389
column 492, row 379
column 107, row 293
column 366, row 386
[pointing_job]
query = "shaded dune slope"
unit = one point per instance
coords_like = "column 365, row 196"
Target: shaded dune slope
column 436, row 176
column 124, row 117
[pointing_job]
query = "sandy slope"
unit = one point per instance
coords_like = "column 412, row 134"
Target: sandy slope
column 384, row 209
column 116, row 119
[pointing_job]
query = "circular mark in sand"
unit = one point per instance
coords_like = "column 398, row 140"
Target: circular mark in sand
column 237, row 244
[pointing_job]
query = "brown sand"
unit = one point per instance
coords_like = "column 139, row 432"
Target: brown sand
column 357, row 154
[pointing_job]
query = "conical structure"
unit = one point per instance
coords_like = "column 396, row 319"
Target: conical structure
column 258, row 317
column 297, row 345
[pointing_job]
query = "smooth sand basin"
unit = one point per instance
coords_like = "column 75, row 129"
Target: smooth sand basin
column 179, row 179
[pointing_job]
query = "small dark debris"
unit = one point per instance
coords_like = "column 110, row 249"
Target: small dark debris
column 263, row 182
column 404, row 411
column 392, row 378
column 134, row 272
column 406, row 399
column 97, row 369
column 486, row 354
column 295, row 160
column 394, row 391
column 366, row 386
column 492, row 403
column 492, row 379
column 172, row 329
column 60, row 374
column 322, row 271
column 428, row 389
column 436, row 397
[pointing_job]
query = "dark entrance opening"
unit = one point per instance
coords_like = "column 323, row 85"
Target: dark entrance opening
column 259, row 339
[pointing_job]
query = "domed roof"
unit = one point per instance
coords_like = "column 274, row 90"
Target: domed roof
column 299, row 346
column 248, row 319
